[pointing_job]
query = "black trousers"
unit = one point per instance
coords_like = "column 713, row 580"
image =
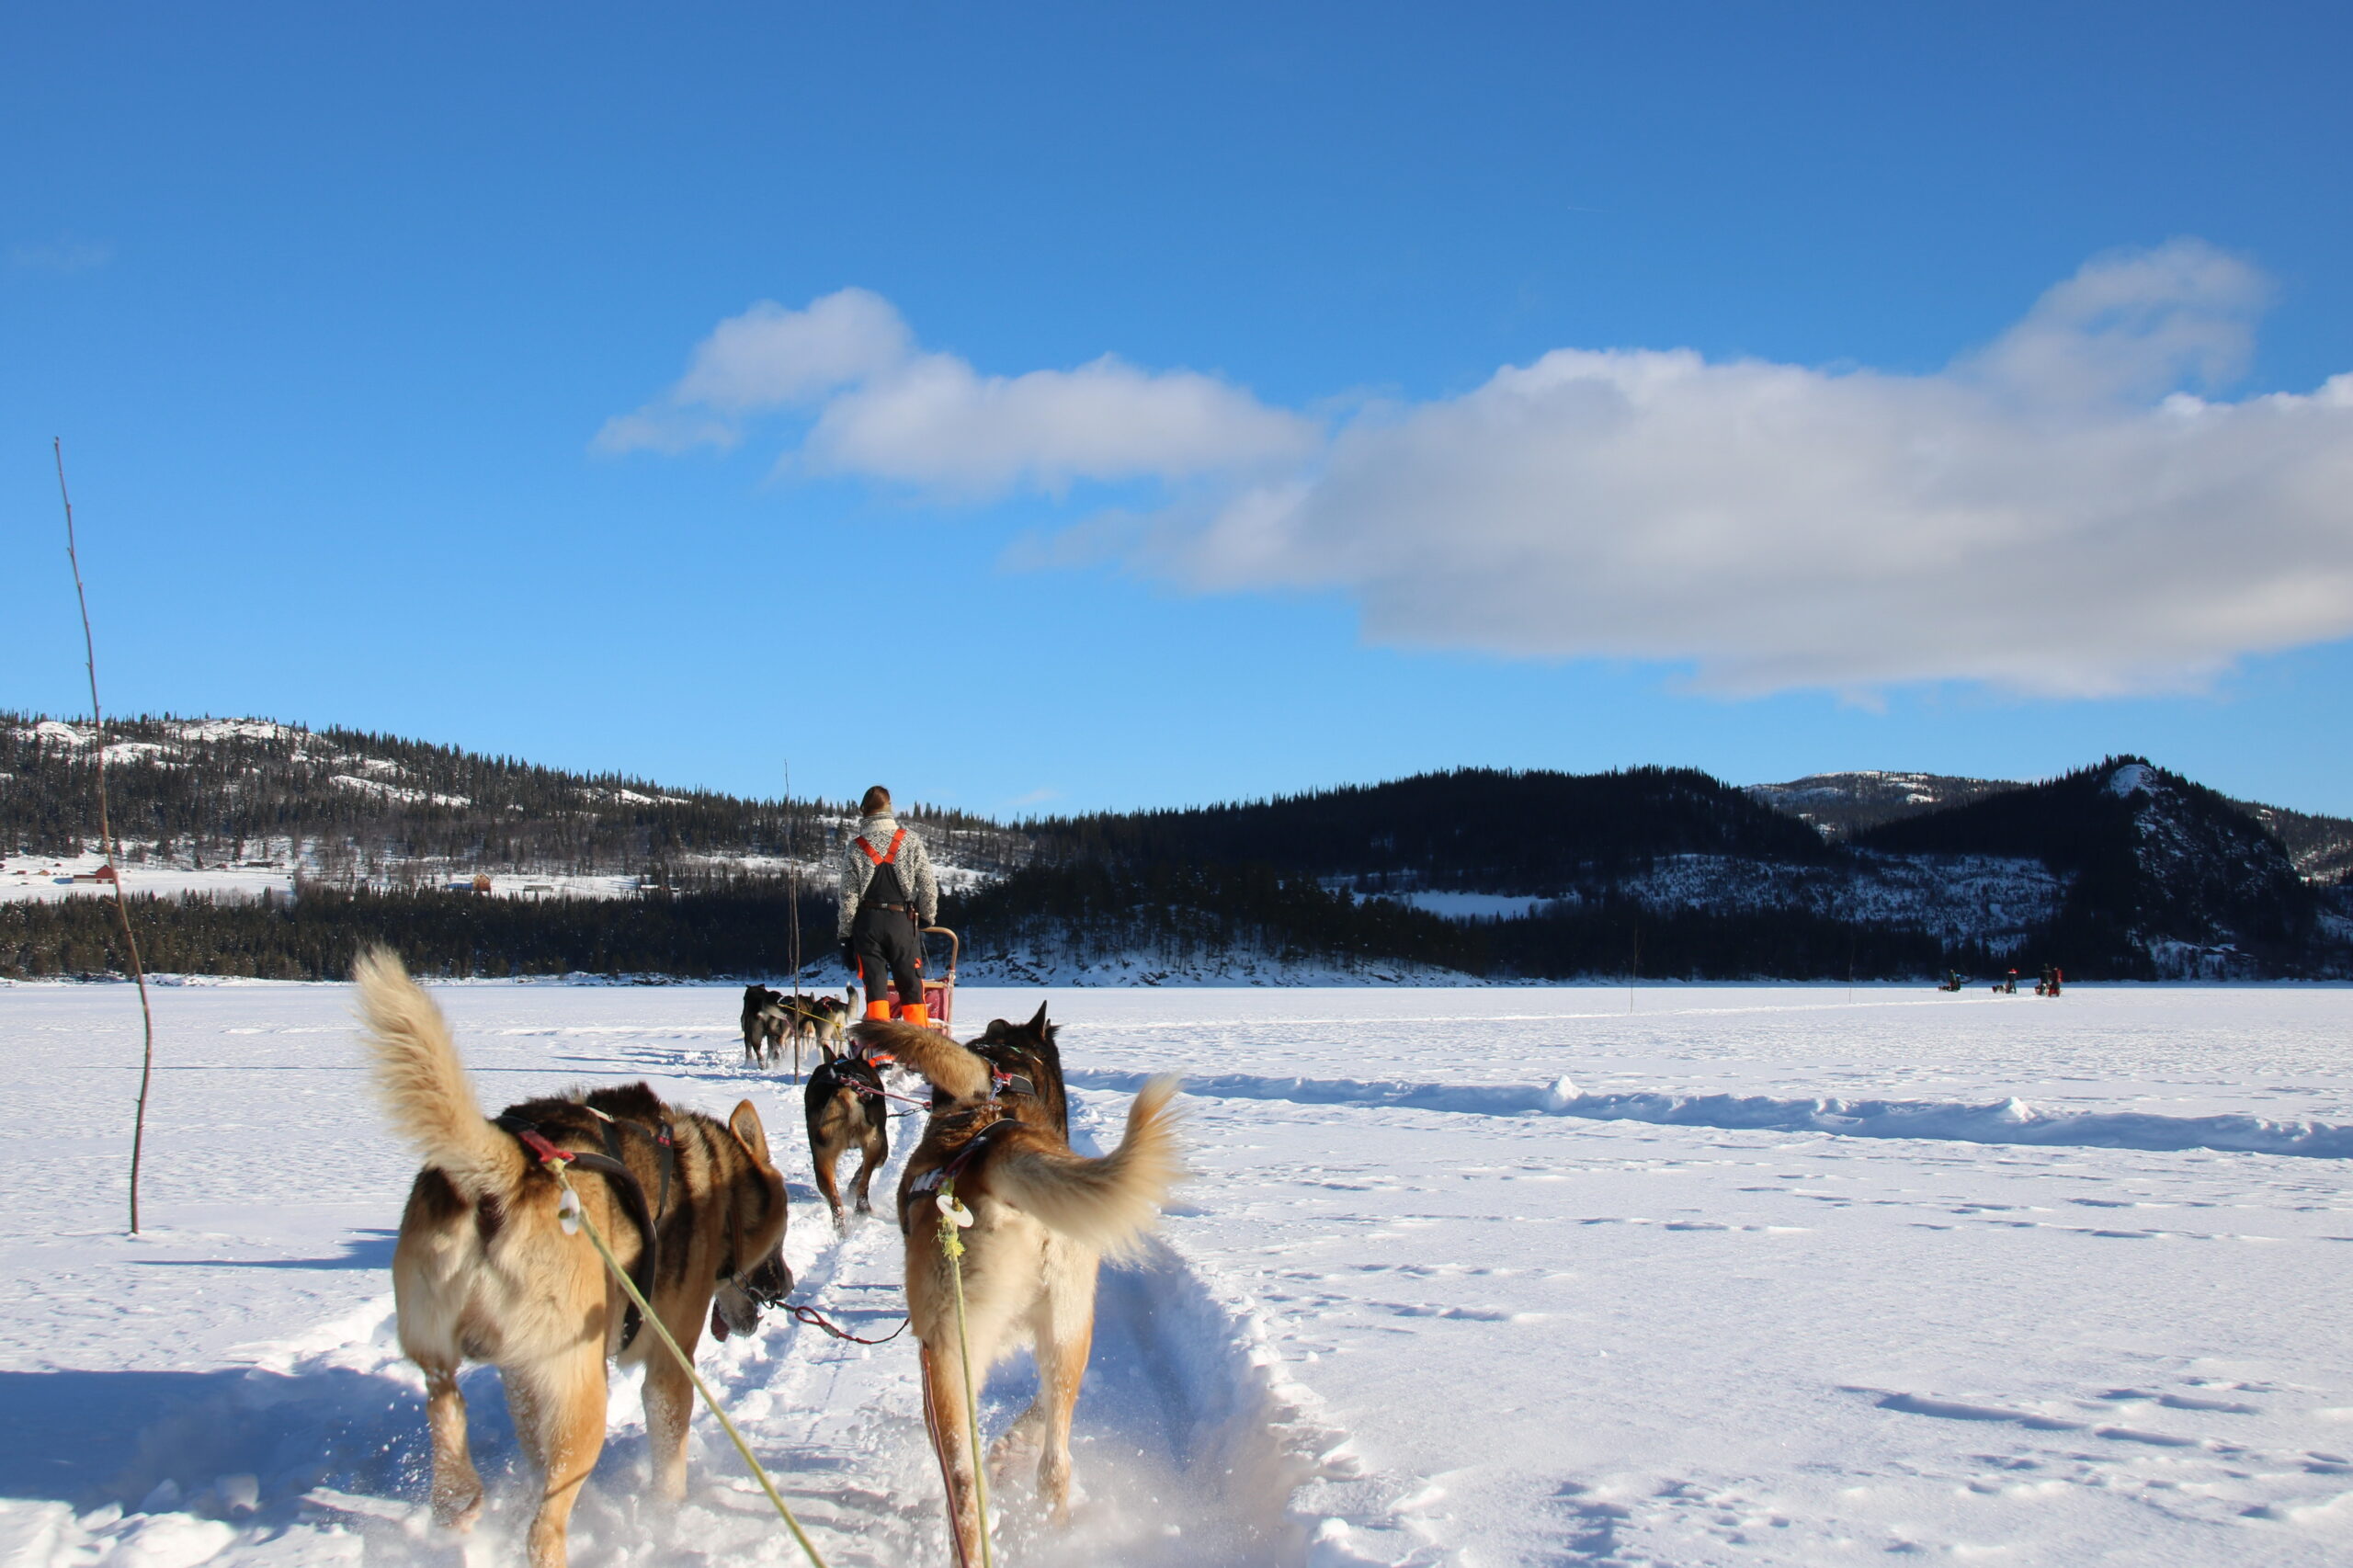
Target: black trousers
column 887, row 944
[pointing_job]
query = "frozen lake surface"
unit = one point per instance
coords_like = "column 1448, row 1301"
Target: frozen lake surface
column 1684, row 1276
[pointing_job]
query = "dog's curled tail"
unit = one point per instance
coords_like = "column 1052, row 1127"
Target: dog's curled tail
column 422, row 1084
column 947, row 1066
column 1107, row 1204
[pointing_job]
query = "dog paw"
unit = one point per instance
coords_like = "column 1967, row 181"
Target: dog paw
column 1017, row 1448
column 457, row 1516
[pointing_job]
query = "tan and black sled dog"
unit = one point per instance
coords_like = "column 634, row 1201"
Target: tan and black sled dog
column 1041, row 1219
column 692, row 1207
column 843, row 1106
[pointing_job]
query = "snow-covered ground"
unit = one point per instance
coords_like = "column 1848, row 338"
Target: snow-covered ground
column 1131, row 966
column 1957, row 898
column 1677, row 1276
column 46, row 877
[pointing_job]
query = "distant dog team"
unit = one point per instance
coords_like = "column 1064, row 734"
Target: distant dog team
column 770, row 1019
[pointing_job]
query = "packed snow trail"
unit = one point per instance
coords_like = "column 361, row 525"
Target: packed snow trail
column 2007, row 1121
column 316, row 1451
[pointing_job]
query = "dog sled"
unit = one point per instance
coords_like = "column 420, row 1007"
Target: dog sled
column 938, row 992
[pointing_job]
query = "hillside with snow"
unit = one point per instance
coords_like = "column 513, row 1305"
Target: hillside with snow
column 2123, row 869
column 1841, row 805
column 234, row 807
column 264, row 849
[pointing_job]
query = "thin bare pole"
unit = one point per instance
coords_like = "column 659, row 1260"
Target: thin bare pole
column 793, row 896
column 106, row 839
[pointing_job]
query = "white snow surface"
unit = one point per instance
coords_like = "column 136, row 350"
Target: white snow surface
column 1672, row 1275
column 43, row 878
column 1145, row 967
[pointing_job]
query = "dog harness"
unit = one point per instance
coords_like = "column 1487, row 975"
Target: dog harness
column 1001, row 1083
column 859, row 1077
column 625, row 1187
column 931, row 1180
column 665, row 1149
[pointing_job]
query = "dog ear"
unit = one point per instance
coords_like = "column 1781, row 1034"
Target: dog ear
column 1038, row 1024
column 745, row 1125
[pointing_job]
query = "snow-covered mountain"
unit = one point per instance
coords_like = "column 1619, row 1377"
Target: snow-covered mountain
column 1840, row 805
column 2122, row 870
column 224, row 806
column 2158, row 870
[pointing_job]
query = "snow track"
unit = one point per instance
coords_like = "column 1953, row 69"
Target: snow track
column 317, row 1452
column 2007, row 1122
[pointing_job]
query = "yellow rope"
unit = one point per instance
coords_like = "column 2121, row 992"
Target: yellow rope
column 951, row 1242
column 654, row 1321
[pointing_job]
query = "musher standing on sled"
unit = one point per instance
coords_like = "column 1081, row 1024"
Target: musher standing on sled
column 888, row 895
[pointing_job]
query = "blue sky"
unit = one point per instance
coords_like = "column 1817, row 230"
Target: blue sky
column 392, row 356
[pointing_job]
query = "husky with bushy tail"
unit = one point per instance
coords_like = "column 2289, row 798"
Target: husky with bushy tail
column 486, row 1270
column 1042, row 1218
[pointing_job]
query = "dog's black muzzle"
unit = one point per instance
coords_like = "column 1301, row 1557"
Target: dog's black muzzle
column 771, row 1282
column 735, row 1308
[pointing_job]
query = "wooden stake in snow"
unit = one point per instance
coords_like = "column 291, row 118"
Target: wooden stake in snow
column 792, row 901
column 106, row 839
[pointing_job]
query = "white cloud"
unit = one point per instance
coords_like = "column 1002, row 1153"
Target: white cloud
column 885, row 412
column 2055, row 513
column 941, row 425
column 768, row 358
column 2134, row 324
column 2042, row 517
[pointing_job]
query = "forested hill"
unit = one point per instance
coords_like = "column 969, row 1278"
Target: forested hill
column 1505, row 833
column 357, row 808
column 1843, row 805
column 2120, row 870
column 2117, row 870
column 2146, row 855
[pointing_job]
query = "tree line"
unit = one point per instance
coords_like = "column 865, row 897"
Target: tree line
column 1496, row 830
column 1085, row 913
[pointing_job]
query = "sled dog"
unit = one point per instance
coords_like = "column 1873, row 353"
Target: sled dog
column 1041, row 1219
column 844, row 1110
column 482, row 1271
column 765, row 1023
column 819, row 1019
